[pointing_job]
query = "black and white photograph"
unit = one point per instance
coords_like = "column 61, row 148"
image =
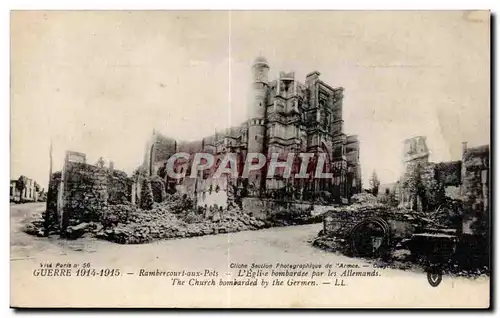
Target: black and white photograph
column 250, row 159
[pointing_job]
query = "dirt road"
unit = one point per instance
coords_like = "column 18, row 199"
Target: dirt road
column 220, row 254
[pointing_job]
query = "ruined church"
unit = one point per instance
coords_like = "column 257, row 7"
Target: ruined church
column 284, row 115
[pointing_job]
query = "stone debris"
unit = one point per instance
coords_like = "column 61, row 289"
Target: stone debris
column 175, row 217
column 363, row 198
column 333, row 244
column 416, row 240
column 127, row 226
column 36, row 226
column 295, row 216
column 76, row 231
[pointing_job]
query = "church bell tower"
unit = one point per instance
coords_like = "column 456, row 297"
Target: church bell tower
column 257, row 106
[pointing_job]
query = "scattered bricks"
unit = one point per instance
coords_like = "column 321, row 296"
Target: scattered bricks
column 363, row 198
column 125, row 224
column 175, row 217
column 36, row 227
column 332, row 244
column 74, row 232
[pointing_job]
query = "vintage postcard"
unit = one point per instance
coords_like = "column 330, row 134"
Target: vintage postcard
column 250, row 159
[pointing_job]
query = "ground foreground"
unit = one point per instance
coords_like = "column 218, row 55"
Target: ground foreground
column 219, row 254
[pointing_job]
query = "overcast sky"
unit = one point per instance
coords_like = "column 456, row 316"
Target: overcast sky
column 99, row 82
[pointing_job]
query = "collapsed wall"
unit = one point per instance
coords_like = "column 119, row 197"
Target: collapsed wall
column 119, row 187
column 81, row 192
column 368, row 228
column 475, row 178
column 265, row 208
column 475, row 190
column 341, row 221
column 85, row 193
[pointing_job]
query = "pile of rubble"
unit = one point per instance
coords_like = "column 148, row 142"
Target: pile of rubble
column 448, row 214
column 363, row 198
column 138, row 226
column 410, row 239
column 333, row 244
column 128, row 224
column 41, row 225
column 340, row 222
column 36, row 226
column 294, row 216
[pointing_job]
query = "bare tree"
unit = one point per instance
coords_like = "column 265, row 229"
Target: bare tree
column 37, row 187
column 21, row 185
column 140, row 171
column 374, row 183
column 100, row 162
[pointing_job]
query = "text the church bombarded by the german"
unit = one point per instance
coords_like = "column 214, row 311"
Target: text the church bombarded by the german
column 267, row 275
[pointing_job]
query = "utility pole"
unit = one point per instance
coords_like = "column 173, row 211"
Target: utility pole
column 47, row 210
column 50, row 160
column 151, row 153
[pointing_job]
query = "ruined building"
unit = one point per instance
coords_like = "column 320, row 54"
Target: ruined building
column 81, row 192
column 285, row 115
column 466, row 179
column 28, row 194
